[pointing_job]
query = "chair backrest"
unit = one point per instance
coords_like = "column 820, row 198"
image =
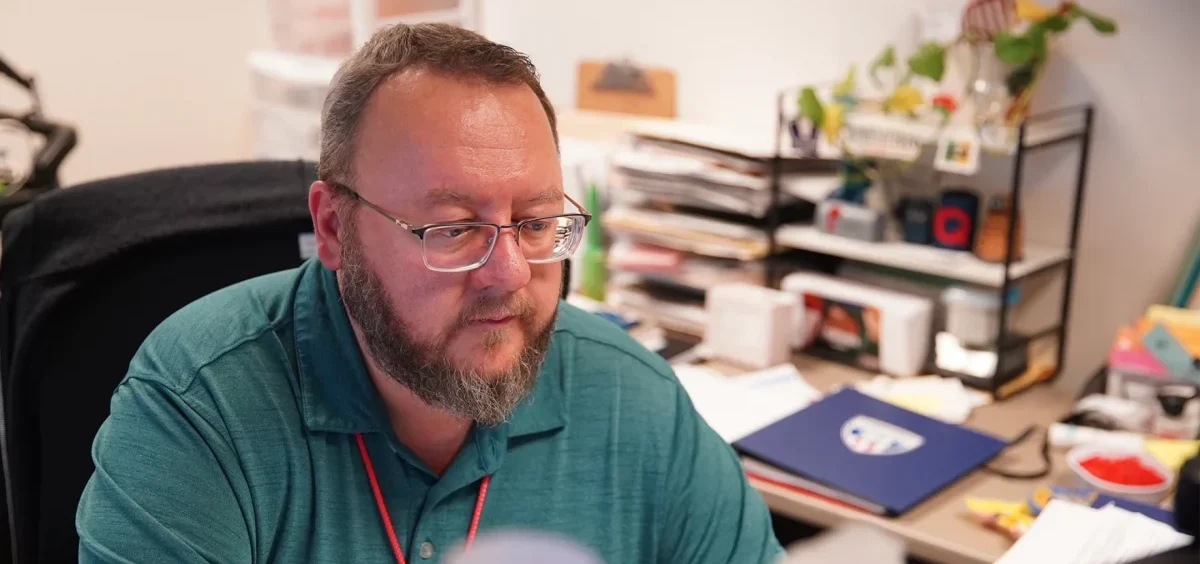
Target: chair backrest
column 87, row 273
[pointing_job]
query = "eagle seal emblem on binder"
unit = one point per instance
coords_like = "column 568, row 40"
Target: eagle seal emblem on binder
column 867, row 435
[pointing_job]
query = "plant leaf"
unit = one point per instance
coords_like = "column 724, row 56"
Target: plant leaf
column 929, row 61
column 885, row 60
column 810, row 106
column 1038, row 36
column 1056, row 23
column 1014, row 49
column 846, row 86
column 1100, row 23
column 1020, row 78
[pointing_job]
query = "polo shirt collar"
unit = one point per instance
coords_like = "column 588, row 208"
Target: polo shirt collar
column 336, row 392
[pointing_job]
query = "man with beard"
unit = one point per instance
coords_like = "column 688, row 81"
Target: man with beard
column 419, row 380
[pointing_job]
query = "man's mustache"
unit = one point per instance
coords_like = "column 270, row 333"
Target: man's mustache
column 520, row 307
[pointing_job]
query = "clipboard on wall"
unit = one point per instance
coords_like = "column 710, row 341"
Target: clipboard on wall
column 626, row 88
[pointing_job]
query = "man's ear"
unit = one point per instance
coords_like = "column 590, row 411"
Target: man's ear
column 322, row 205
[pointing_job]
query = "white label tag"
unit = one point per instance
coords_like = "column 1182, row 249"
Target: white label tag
column 308, row 245
column 958, row 151
column 886, row 137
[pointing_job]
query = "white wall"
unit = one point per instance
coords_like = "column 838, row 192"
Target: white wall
column 153, row 83
column 1143, row 194
column 148, row 83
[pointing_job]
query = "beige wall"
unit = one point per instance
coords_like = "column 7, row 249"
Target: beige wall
column 149, row 83
column 157, row 83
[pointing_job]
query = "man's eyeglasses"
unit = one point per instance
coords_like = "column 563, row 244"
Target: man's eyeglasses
column 467, row 245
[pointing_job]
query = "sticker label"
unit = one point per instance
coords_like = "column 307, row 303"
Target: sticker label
column 958, row 152
column 867, row 435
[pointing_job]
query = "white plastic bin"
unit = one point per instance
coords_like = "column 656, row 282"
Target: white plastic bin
column 973, row 315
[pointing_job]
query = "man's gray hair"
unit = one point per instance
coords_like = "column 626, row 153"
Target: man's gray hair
column 441, row 48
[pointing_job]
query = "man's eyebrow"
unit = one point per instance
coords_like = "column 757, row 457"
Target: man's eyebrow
column 451, row 197
column 547, row 196
column 447, row 197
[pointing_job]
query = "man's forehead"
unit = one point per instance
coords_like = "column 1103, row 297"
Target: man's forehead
column 468, row 198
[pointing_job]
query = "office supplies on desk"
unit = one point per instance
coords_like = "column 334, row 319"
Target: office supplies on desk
column 874, row 328
column 1126, row 473
column 873, row 454
column 1069, row 532
column 1171, row 453
column 735, row 406
column 945, row 399
column 750, row 325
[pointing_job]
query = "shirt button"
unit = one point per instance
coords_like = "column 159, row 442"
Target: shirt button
column 426, row 550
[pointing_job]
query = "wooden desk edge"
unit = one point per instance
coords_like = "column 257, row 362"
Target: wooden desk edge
column 822, row 513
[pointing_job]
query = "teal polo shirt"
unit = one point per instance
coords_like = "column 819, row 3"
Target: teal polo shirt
column 231, row 439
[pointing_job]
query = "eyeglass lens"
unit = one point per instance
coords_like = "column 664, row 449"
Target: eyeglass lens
column 464, row 246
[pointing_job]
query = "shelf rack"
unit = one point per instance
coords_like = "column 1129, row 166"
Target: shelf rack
column 1068, row 125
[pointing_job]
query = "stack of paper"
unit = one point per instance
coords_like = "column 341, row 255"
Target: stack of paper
column 736, row 406
column 693, row 234
column 1066, row 533
column 933, row 396
column 692, row 180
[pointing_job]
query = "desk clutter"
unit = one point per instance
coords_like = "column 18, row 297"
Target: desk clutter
column 1073, row 532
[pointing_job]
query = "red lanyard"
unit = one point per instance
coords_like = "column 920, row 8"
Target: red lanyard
column 387, row 520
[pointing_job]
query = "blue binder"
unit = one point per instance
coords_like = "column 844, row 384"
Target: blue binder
column 880, row 457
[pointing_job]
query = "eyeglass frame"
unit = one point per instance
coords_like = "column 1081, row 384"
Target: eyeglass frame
column 419, row 232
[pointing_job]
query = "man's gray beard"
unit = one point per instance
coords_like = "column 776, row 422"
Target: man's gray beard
column 425, row 368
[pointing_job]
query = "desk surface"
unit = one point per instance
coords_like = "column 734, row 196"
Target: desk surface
column 939, row 529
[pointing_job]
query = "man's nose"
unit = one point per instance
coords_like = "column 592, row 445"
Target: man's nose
column 506, row 269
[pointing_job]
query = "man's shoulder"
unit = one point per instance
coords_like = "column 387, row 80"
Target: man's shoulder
column 611, row 373
column 597, row 342
column 216, row 328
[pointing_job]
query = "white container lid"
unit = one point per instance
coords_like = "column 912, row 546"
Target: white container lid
column 987, row 299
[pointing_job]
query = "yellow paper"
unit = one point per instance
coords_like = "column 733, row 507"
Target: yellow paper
column 924, row 404
column 1171, row 453
column 996, row 506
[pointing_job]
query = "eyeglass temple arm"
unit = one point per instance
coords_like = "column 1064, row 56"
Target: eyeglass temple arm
column 381, row 211
column 577, row 205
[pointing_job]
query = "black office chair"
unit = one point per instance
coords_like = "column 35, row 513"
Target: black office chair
column 86, row 274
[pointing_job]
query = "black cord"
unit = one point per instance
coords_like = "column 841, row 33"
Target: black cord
column 1036, row 474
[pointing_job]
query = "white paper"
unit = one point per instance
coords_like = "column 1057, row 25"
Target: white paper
column 737, row 406
column 1067, row 532
column 941, row 398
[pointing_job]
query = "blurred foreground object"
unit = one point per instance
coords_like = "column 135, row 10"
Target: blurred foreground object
column 853, row 542
column 512, row 547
